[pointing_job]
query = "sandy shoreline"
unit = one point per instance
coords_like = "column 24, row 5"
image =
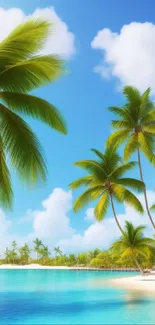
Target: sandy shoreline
column 136, row 283
column 44, row 267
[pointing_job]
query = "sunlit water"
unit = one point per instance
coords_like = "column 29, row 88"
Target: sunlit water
column 70, row 297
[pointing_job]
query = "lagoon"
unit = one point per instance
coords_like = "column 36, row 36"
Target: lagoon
column 70, row 297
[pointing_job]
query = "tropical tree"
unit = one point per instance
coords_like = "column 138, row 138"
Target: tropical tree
column 105, row 182
column 38, row 245
column 136, row 127
column 25, row 253
column 133, row 243
column 22, row 70
column 44, row 252
column 58, row 251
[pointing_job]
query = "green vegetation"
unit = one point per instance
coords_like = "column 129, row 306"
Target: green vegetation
column 132, row 250
column 21, row 71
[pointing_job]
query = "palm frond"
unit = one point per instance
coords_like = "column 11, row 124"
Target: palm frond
column 22, row 145
column 86, row 180
column 132, row 183
column 149, row 127
column 146, row 143
column 29, row 74
column 146, row 104
column 130, row 147
column 87, row 196
column 117, row 138
column 132, row 200
column 118, row 192
column 24, row 41
column 6, row 193
column 122, row 169
column 133, row 96
column 102, row 206
column 152, row 208
column 149, row 117
column 94, row 167
column 120, row 124
column 124, row 114
column 35, row 107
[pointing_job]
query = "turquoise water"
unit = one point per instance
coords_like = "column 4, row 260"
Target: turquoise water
column 70, row 297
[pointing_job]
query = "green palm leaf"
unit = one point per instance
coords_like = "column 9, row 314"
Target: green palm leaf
column 133, row 183
column 117, row 138
column 6, row 193
column 34, row 72
column 86, row 180
column 87, row 196
column 35, row 107
column 24, row 41
column 132, row 200
column 146, row 143
column 130, row 147
column 22, row 145
column 102, row 206
column 122, row 169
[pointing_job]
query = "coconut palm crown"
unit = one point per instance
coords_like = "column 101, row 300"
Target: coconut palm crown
column 105, row 182
column 133, row 243
column 136, row 127
column 23, row 70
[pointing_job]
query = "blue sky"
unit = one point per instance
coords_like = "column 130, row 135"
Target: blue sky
column 83, row 97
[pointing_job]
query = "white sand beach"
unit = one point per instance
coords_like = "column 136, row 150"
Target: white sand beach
column 139, row 283
column 44, row 267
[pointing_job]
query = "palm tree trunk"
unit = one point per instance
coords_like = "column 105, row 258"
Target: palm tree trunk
column 138, row 265
column 114, row 213
column 145, row 194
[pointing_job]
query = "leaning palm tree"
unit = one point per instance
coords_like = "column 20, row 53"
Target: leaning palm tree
column 106, row 183
column 23, row 70
column 58, row 251
column 136, row 127
column 133, row 243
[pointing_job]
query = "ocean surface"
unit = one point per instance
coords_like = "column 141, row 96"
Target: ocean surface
column 70, row 297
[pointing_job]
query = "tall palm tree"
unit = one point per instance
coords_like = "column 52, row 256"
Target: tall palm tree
column 106, row 183
column 57, row 251
column 133, row 243
column 38, row 244
column 135, row 127
column 23, row 70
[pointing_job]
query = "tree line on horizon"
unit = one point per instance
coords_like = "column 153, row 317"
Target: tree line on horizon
column 23, row 70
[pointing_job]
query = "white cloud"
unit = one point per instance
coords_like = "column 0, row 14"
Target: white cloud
column 90, row 215
column 128, row 55
column 61, row 41
column 52, row 221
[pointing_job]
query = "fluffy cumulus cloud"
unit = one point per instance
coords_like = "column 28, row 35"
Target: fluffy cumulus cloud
column 128, row 55
column 62, row 40
column 52, row 224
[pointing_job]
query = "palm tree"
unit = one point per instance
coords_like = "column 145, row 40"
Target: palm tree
column 38, row 244
column 105, row 182
column 22, row 70
column 44, row 251
column 57, row 251
column 133, row 243
column 135, row 127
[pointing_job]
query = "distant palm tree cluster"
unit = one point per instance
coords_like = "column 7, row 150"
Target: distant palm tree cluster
column 132, row 251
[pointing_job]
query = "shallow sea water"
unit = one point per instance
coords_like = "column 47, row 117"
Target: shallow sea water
column 70, row 297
